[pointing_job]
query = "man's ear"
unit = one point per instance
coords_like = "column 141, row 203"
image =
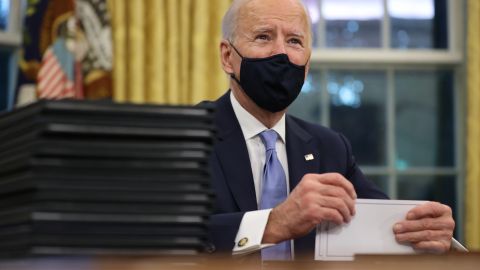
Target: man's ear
column 307, row 69
column 226, row 56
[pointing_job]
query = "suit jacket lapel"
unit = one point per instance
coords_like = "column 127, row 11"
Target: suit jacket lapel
column 232, row 153
column 300, row 144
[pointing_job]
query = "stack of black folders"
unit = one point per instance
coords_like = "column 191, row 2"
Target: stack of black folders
column 85, row 177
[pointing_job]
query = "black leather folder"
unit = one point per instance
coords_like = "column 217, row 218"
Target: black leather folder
column 86, row 177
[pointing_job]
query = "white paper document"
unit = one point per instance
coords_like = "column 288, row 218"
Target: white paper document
column 369, row 232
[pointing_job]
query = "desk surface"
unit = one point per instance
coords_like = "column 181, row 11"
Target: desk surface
column 453, row 261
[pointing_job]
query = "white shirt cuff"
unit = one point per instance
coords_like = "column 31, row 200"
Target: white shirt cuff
column 250, row 233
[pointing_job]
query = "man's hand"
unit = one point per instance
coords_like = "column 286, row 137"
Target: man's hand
column 317, row 198
column 427, row 227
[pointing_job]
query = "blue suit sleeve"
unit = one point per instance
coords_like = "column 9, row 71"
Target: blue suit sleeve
column 223, row 230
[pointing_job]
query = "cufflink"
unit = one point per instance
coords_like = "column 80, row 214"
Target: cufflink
column 308, row 157
column 242, row 242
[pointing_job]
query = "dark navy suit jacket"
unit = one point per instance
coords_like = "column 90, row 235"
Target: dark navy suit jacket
column 232, row 177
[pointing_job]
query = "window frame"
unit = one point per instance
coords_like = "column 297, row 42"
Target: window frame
column 10, row 42
column 386, row 55
column 12, row 37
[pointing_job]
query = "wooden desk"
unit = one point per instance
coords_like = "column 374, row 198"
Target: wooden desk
column 454, row 261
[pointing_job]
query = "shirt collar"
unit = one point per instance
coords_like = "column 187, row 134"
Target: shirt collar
column 250, row 125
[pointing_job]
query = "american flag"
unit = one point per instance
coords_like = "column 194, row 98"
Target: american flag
column 55, row 78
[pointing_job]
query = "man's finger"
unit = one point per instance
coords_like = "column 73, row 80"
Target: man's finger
column 432, row 246
column 338, row 192
column 336, row 179
column 424, row 224
column 337, row 204
column 426, row 235
column 333, row 215
column 430, row 209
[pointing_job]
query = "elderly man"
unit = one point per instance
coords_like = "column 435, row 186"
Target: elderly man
column 275, row 176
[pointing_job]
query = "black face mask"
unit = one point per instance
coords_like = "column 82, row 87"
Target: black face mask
column 273, row 83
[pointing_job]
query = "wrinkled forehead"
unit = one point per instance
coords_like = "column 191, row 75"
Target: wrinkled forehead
column 262, row 12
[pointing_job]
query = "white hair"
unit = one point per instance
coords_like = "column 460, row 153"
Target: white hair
column 230, row 19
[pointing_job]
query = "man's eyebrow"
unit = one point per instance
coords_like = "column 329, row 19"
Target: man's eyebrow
column 268, row 29
column 262, row 29
column 297, row 34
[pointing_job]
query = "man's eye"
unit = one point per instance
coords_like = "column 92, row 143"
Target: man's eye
column 262, row 37
column 295, row 41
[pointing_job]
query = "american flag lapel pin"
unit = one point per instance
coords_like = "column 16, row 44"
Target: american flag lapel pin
column 308, row 157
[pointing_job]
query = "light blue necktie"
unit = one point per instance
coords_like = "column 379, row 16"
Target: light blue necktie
column 274, row 191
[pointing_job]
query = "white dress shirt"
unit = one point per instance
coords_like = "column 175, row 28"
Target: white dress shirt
column 253, row 223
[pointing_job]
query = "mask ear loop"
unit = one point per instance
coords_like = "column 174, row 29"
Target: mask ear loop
column 232, row 75
column 239, row 54
column 235, row 79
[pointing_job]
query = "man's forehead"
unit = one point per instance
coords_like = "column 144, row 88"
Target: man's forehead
column 270, row 4
column 260, row 12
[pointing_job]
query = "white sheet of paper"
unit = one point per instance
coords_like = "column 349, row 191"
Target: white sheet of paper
column 369, row 232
